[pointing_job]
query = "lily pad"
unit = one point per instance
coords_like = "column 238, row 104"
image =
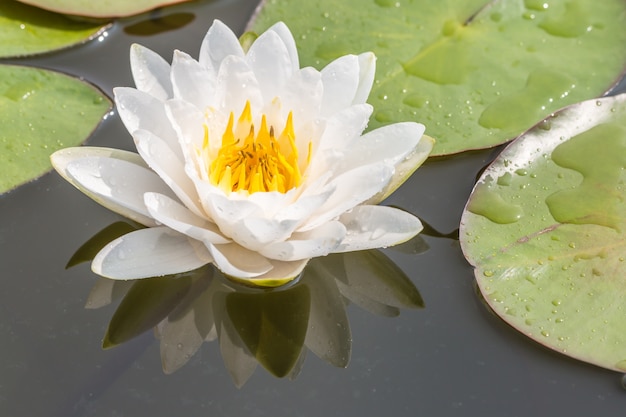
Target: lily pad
column 42, row 111
column 111, row 8
column 477, row 73
column 545, row 229
column 27, row 30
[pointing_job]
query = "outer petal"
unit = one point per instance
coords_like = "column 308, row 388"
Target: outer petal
column 150, row 72
column 391, row 144
column 341, row 80
column 239, row 262
column 139, row 110
column 150, row 252
column 171, row 169
column 117, row 184
column 352, row 188
column 405, row 168
column 191, row 81
column 218, row 43
column 172, row 214
column 317, row 242
column 370, row 227
column 367, row 70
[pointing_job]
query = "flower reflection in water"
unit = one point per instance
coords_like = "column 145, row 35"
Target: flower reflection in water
column 270, row 327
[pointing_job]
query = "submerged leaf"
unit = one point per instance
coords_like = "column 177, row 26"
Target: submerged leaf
column 27, row 30
column 545, row 228
column 477, row 73
column 42, row 111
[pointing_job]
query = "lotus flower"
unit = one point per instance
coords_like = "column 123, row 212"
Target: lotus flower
column 247, row 161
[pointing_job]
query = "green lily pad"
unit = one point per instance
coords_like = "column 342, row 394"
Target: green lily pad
column 477, row 73
column 42, row 111
column 545, row 229
column 27, row 30
column 111, row 8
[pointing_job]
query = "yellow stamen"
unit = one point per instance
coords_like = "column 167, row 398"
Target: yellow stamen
column 258, row 162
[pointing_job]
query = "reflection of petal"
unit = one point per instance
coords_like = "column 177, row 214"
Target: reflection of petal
column 181, row 333
column 106, row 291
column 370, row 275
column 328, row 335
column 147, row 303
column 273, row 325
column 237, row 358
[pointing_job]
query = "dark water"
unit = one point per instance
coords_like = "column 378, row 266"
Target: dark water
column 450, row 358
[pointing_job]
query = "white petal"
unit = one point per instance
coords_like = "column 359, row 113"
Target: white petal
column 218, row 43
column 117, row 184
column 150, row 252
column 391, row 144
column 139, row 110
column 269, row 58
column 313, row 243
column 254, row 233
column 151, row 72
column 285, row 34
column 341, row 80
column 236, row 84
column 367, row 70
column 172, row 214
column 405, row 168
column 191, row 81
column 167, row 165
column 303, row 95
column 188, row 122
column 224, row 211
column 372, row 227
column 351, row 188
column 238, row 262
column 280, row 274
column 343, row 127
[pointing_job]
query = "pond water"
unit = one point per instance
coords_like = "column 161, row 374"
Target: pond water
column 451, row 357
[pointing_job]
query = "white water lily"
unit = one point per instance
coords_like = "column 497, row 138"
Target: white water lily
column 247, row 161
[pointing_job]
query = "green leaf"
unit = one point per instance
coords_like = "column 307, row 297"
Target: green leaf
column 27, row 30
column 272, row 324
column 545, row 229
column 42, row 111
column 476, row 73
column 111, row 8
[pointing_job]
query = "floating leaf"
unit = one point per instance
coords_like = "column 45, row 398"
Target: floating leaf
column 545, row 229
column 27, row 30
column 476, row 73
column 42, row 111
column 111, row 8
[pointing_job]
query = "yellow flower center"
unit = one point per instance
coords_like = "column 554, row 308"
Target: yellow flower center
column 255, row 161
